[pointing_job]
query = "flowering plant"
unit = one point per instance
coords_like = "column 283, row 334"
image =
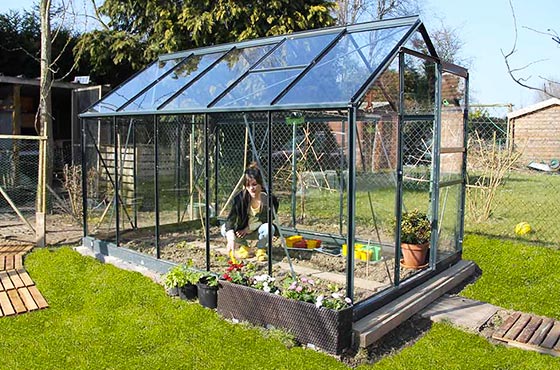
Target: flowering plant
column 301, row 289
column 265, row 282
column 236, row 274
column 335, row 300
column 307, row 290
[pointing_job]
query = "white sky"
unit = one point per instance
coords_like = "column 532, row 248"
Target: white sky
column 486, row 27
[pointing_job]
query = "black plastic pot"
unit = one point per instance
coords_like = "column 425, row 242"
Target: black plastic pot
column 173, row 292
column 207, row 295
column 188, row 292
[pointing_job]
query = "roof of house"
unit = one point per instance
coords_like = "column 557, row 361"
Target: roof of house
column 37, row 82
column 533, row 108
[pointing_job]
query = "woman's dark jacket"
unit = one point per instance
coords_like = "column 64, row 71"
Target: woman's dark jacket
column 238, row 217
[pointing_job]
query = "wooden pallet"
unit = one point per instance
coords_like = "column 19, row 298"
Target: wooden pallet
column 530, row 332
column 18, row 293
column 14, row 249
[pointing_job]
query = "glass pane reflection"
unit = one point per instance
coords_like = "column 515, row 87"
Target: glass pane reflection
column 122, row 94
column 296, row 51
column 340, row 73
column 258, row 88
column 173, row 82
column 222, row 75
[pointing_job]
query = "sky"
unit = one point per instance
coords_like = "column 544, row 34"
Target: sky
column 487, row 29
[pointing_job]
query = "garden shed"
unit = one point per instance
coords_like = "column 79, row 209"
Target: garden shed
column 351, row 127
column 535, row 131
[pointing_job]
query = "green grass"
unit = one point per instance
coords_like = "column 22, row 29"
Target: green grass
column 514, row 275
column 102, row 317
column 445, row 347
column 530, row 197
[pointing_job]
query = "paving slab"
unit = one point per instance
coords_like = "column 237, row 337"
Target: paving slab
column 459, row 311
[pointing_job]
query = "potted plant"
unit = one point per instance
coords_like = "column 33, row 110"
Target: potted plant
column 180, row 281
column 174, row 279
column 416, row 229
column 207, row 288
column 189, row 290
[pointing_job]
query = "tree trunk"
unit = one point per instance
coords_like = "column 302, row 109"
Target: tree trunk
column 45, row 123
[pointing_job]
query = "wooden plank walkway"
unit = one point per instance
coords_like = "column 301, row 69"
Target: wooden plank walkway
column 530, row 332
column 18, row 293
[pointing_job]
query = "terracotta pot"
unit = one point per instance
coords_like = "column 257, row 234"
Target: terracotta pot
column 414, row 255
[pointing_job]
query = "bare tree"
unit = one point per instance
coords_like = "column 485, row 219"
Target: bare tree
column 353, row 11
column 548, row 87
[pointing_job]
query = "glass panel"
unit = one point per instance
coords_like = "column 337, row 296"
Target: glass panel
column 448, row 229
column 296, row 51
column 376, row 184
column 308, row 164
column 417, row 177
column 258, row 88
column 450, row 166
column 173, row 82
column 135, row 140
column 452, row 126
column 222, row 75
column 100, row 166
column 121, row 95
column 419, row 86
column 345, row 68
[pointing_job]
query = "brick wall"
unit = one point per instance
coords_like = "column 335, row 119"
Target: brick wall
column 537, row 134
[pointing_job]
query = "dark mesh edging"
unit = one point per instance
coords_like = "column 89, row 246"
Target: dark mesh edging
column 327, row 329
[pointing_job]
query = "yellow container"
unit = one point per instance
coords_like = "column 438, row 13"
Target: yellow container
column 371, row 253
column 291, row 240
column 313, row 243
column 357, row 248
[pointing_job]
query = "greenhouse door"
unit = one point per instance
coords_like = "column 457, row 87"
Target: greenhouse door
column 452, row 161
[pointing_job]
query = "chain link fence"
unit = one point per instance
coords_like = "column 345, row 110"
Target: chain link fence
column 510, row 180
column 308, row 157
column 19, row 165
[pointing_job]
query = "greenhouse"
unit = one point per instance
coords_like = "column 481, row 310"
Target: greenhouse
column 352, row 128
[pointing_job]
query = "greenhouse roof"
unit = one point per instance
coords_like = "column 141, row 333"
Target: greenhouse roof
column 324, row 68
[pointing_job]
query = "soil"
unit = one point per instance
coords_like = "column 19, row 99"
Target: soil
column 61, row 230
column 180, row 247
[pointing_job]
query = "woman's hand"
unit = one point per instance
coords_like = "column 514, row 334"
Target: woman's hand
column 242, row 233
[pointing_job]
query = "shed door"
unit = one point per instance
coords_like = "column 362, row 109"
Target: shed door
column 82, row 99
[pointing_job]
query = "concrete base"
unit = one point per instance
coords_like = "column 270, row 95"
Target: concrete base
column 374, row 326
column 463, row 312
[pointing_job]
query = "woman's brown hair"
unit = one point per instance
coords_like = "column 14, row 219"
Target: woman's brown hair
column 253, row 173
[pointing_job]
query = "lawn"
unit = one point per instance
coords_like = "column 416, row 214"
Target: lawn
column 522, row 197
column 102, row 317
column 515, row 275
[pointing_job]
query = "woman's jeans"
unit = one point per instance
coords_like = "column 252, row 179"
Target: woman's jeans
column 261, row 234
